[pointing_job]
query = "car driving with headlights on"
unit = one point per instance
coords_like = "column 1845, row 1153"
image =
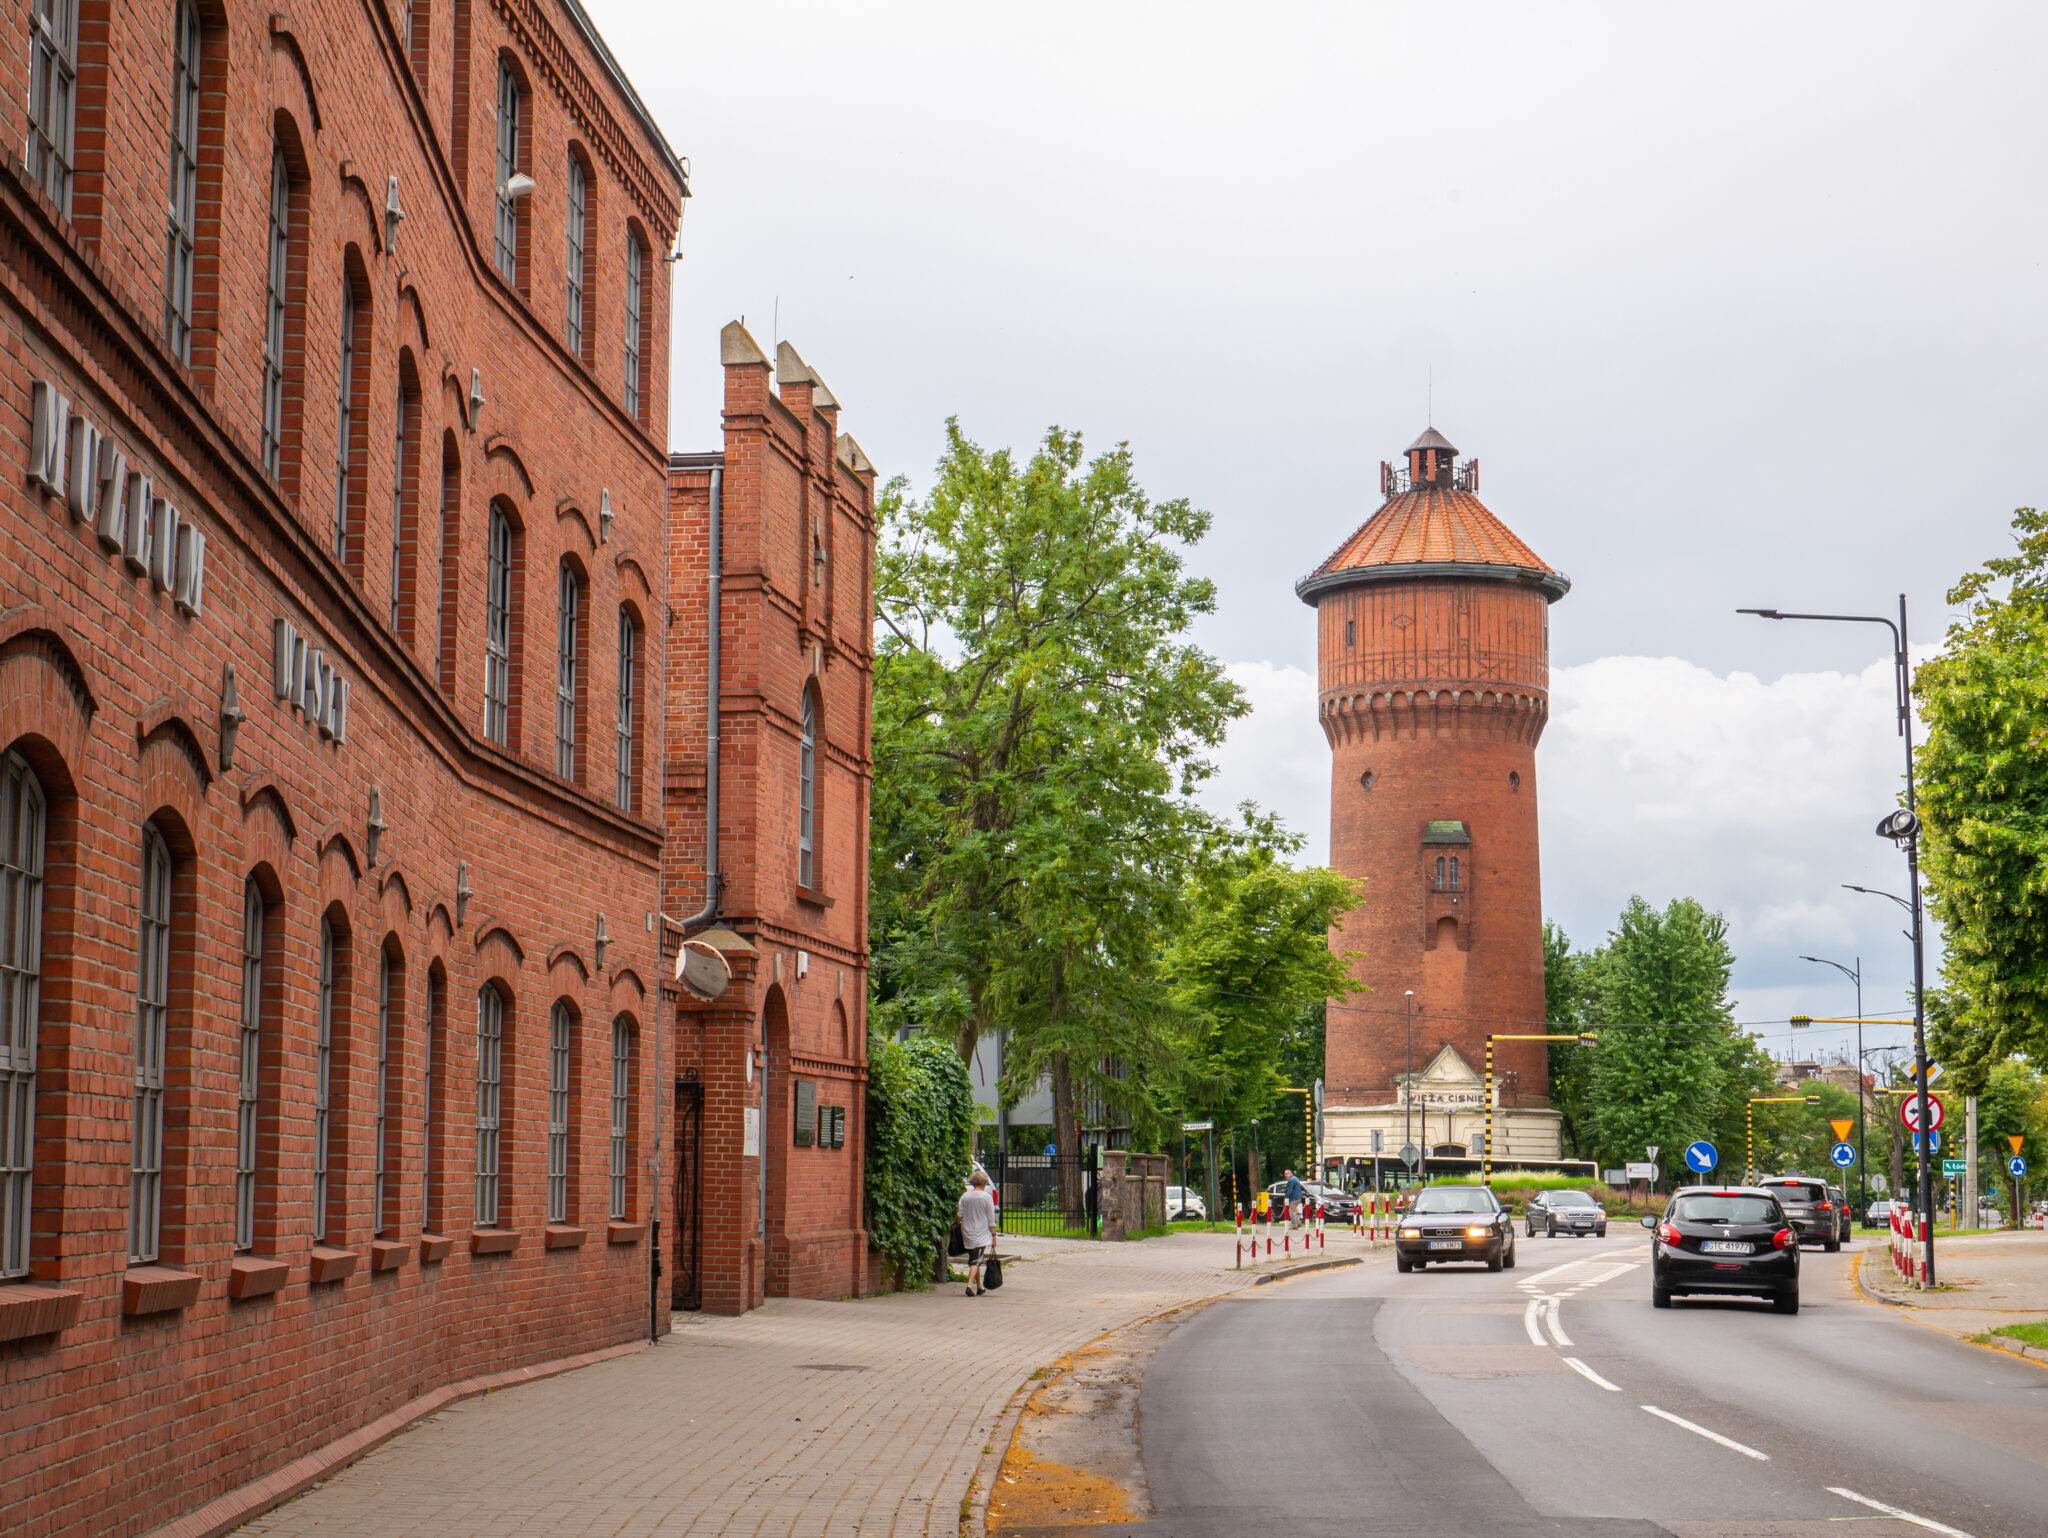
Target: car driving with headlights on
column 1455, row 1223
column 1810, row 1206
column 1565, row 1212
column 1726, row 1240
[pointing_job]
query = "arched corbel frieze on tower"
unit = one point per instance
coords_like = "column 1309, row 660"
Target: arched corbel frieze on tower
column 1417, row 713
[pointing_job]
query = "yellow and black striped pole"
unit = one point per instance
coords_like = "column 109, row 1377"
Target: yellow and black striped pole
column 1749, row 1152
column 1486, row 1152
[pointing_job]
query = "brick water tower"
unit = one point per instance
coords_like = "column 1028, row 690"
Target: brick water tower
column 1433, row 644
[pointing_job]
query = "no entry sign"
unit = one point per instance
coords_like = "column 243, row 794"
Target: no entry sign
column 1909, row 1112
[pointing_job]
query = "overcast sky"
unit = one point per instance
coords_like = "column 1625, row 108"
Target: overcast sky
column 1737, row 306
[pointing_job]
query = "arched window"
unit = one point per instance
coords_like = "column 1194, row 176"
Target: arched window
column 390, row 1035
column 352, row 437
column 580, row 218
column 561, row 1045
column 629, row 683
column 433, row 1113
column 22, row 821
column 1454, row 873
column 498, row 629
column 569, row 626
column 277, row 290
column 405, row 500
column 622, row 1116
column 249, row 1064
column 1439, row 873
column 636, row 306
column 806, row 795
column 53, row 96
column 419, row 37
column 323, row 1078
column 490, row 1043
column 451, row 561
column 509, row 250
column 152, row 1020
column 186, row 46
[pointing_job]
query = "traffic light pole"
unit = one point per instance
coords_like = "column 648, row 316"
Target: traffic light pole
column 1486, row 1149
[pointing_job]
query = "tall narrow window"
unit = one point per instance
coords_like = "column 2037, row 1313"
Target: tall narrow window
column 490, row 1041
column 53, row 96
column 1454, row 873
column 622, row 1111
column 507, row 252
column 152, row 1018
column 323, row 1079
column 1439, row 873
column 636, row 283
column 629, row 661
column 22, row 816
column 498, row 630
column 565, row 675
column 432, row 1077
column 249, row 1064
column 274, row 310
column 451, row 561
column 561, row 1038
column 344, row 436
column 184, row 192
column 400, row 424
column 806, row 794
column 579, row 203
column 383, row 1164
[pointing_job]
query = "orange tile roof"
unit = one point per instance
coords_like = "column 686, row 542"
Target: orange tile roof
column 1431, row 525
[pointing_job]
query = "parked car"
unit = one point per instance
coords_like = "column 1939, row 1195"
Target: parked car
column 1879, row 1215
column 1455, row 1223
column 1565, row 1212
column 1725, row 1240
column 1338, row 1206
column 1809, row 1208
column 1181, row 1204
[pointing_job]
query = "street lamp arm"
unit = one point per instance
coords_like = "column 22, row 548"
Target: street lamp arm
column 1870, row 891
column 1847, row 619
column 1823, row 961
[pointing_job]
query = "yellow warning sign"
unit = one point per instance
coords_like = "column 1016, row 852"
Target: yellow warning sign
column 1842, row 1129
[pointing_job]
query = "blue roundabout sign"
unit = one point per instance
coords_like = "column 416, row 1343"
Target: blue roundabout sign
column 1843, row 1155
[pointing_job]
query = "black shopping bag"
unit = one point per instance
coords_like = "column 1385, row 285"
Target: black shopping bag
column 992, row 1271
column 956, row 1243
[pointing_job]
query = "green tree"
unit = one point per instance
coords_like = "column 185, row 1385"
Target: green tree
column 918, row 1148
column 1567, row 992
column 1040, row 720
column 1983, row 801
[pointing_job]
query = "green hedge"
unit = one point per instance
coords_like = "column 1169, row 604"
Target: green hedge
column 919, row 1142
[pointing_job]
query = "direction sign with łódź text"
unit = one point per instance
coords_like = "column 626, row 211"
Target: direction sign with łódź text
column 1196, row 1126
column 1909, row 1112
column 2016, row 1166
column 1842, row 1129
column 1842, row 1155
column 1701, row 1156
column 1950, row 1168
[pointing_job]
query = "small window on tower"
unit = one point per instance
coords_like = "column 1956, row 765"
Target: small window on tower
column 1514, row 779
column 1454, row 873
column 1439, row 873
column 1351, row 632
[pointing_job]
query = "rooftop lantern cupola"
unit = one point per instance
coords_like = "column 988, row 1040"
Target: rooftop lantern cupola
column 1431, row 459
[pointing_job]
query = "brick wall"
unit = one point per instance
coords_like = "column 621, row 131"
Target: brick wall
column 163, row 1386
column 798, row 517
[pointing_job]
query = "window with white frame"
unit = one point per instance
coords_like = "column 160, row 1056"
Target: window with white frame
column 636, row 282
column 622, row 1111
column 561, row 1044
column 323, row 1079
column 22, row 820
column 53, row 96
column 387, row 1009
column 498, row 629
column 274, row 309
column 434, row 1037
column 490, row 1042
column 629, row 662
column 249, row 1066
column 578, row 211
column 343, row 437
column 509, row 104
column 152, row 1020
column 184, row 191
column 806, row 795
column 565, row 673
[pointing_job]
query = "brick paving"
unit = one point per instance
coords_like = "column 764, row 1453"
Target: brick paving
column 800, row 1418
column 1998, row 1279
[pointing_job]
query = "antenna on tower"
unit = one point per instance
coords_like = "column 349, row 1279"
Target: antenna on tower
column 1429, row 401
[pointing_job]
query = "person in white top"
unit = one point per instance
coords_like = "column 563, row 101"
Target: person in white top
column 977, row 1229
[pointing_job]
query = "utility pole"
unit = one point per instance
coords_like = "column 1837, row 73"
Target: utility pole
column 1408, row 1081
column 1970, row 1173
column 1862, row 1140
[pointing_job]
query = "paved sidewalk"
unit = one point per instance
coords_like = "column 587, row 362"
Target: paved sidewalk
column 800, row 1418
column 1989, row 1280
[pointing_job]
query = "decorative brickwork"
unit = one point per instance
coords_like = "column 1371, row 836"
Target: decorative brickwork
column 184, row 643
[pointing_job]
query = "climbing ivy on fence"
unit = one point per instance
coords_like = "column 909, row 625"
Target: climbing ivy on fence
column 921, row 1131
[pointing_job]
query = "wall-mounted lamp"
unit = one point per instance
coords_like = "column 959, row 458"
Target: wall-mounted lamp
column 394, row 213
column 602, row 941
column 461, row 893
column 231, row 718
column 374, row 829
column 604, row 516
column 517, row 186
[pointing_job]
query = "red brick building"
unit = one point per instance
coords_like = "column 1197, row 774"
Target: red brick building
column 333, row 345
column 1433, row 645
column 771, row 1076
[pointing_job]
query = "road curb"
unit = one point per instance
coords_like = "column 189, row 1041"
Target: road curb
column 2033, row 1355
column 1314, row 1265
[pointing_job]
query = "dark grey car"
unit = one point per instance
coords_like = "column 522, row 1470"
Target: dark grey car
column 1565, row 1212
column 1809, row 1207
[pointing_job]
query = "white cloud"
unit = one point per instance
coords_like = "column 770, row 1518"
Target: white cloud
column 1662, row 778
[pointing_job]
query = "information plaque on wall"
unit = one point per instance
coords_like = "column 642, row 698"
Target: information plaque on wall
column 806, row 1112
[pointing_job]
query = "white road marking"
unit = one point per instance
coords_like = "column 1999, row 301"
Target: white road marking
column 1608, row 1275
column 1529, row 1321
column 1713, row 1436
column 1587, row 1373
column 1556, row 1328
column 1892, row 1511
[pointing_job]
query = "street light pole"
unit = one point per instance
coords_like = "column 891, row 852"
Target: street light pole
column 1408, row 1082
column 1862, row 1142
column 1903, row 830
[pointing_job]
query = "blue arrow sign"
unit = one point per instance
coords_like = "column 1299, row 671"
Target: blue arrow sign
column 1843, row 1155
column 1701, row 1157
column 2016, row 1166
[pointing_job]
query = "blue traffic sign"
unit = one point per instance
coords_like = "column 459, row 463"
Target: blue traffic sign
column 1843, row 1155
column 1701, row 1157
column 1920, row 1140
column 2016, row 1166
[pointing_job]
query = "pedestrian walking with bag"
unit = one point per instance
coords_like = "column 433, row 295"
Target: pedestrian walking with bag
column 977, row 1229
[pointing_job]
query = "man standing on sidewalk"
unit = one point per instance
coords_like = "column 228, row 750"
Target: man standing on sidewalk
column 1296, row 1198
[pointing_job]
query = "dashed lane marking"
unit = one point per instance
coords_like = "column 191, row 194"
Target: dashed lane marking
column 1728, row 1442
column 1892, row 1511
column 1591, row 1376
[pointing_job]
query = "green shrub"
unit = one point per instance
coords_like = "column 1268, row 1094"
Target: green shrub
column 920, row 1133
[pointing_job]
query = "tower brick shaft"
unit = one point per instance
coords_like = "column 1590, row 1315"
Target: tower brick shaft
column 1434, row 677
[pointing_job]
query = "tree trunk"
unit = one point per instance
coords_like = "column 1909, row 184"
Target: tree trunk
column 1898, row 1190
column 1066, row 1137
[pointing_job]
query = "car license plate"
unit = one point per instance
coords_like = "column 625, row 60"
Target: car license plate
column 1447, row 1244
column 1728, row 1247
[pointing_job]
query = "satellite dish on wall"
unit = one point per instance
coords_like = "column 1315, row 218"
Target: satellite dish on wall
column 702, row 969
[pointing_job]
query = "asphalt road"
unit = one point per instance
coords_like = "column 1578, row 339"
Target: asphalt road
column 1552, row 1399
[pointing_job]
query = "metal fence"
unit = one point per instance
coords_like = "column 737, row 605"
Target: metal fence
column 1044, row 1193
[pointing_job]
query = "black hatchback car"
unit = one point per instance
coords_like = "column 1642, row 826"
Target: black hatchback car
column 1455, row 1223
column 1810, row 1204
column 1565, row 1212
column 1727, row 1240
